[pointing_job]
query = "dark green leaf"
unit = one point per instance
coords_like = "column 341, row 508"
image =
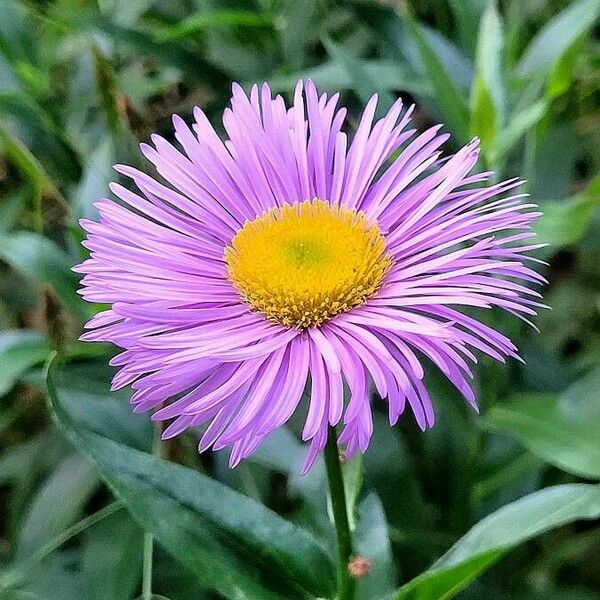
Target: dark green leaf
column 111, row 564
column 234, row 545
column 467, row 14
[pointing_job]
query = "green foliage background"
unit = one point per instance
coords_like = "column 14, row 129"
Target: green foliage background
column 499, row 505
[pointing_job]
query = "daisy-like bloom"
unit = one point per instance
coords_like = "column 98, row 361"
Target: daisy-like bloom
column 290, row 256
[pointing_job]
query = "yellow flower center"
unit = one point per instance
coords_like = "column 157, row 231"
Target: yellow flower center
column 306, row 262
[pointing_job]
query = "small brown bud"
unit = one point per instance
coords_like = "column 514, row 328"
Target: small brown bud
column 359, row 566
column 343, row 456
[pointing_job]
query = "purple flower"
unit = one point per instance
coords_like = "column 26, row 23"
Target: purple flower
column 288, row 254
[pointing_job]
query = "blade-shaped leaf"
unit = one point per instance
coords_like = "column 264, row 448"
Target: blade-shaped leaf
column 233, row 544
column 44, row 262
column 363, row 83
column 556, row 37
column 111, row 566
column 499, row 532
column 372, row 542
column 467, row 14
column 19, row 350
column 449, row 97
column 565, row 222
column 517, row 127
column 488, row 96
column 57, row 504
column 218, row 18
column 552, row 427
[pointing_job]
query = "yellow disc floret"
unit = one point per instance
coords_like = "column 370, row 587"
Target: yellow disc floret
column 306, row 262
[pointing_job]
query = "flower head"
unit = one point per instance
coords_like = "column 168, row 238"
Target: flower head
column 288, row 256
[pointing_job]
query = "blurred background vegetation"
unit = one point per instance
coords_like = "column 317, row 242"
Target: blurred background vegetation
column 83, row 82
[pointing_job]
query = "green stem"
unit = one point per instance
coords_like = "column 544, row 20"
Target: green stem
column 340, row 516
column 148, row 547
column 74, row 530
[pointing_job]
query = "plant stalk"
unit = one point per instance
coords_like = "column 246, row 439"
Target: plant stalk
column 346, row 584
column 148, row 547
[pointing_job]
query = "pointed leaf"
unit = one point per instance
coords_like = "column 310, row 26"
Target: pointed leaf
column 563, row 434
column 233, row 544
column 499, row 532
column 488, row 96
column 449, row 97
column 557, row 36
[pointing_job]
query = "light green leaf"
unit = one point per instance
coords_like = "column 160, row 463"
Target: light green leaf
column 372, row 542
column 334, row 76
column 41, row 260
column 564, row 222
column 58, row 503
column 499, row 532
column 298, row 28
column 556, row 37
column 19, row 350
column 552, row 427
column 233, row 544
column 97, row 174
column 218, row 18
column 517, row 126
column 488, row 95
column 363, row 82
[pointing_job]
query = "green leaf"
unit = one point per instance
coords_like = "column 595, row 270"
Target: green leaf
column 84, row 390
column 335, row 76
column 217, row 18
column 31, row 127
column 233, row 544
column 140, row 41
column 467, row 14
column 363, row 81
column 561, row 76
column 19, row 350
column 488, row 95
column 27, row 163
column 41, row 260
column 353, row 480
column 518, row 125
column 564, row 222
column 298, row 29
column 499, row 532
column 449, row 97
column 555, row 430
column 97, row 174
column 556, row 37
column 372, row 541
column 58, row 503
column 111, row 565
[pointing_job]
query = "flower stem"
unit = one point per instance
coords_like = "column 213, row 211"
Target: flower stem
column 148, row 547
column 340, row 515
